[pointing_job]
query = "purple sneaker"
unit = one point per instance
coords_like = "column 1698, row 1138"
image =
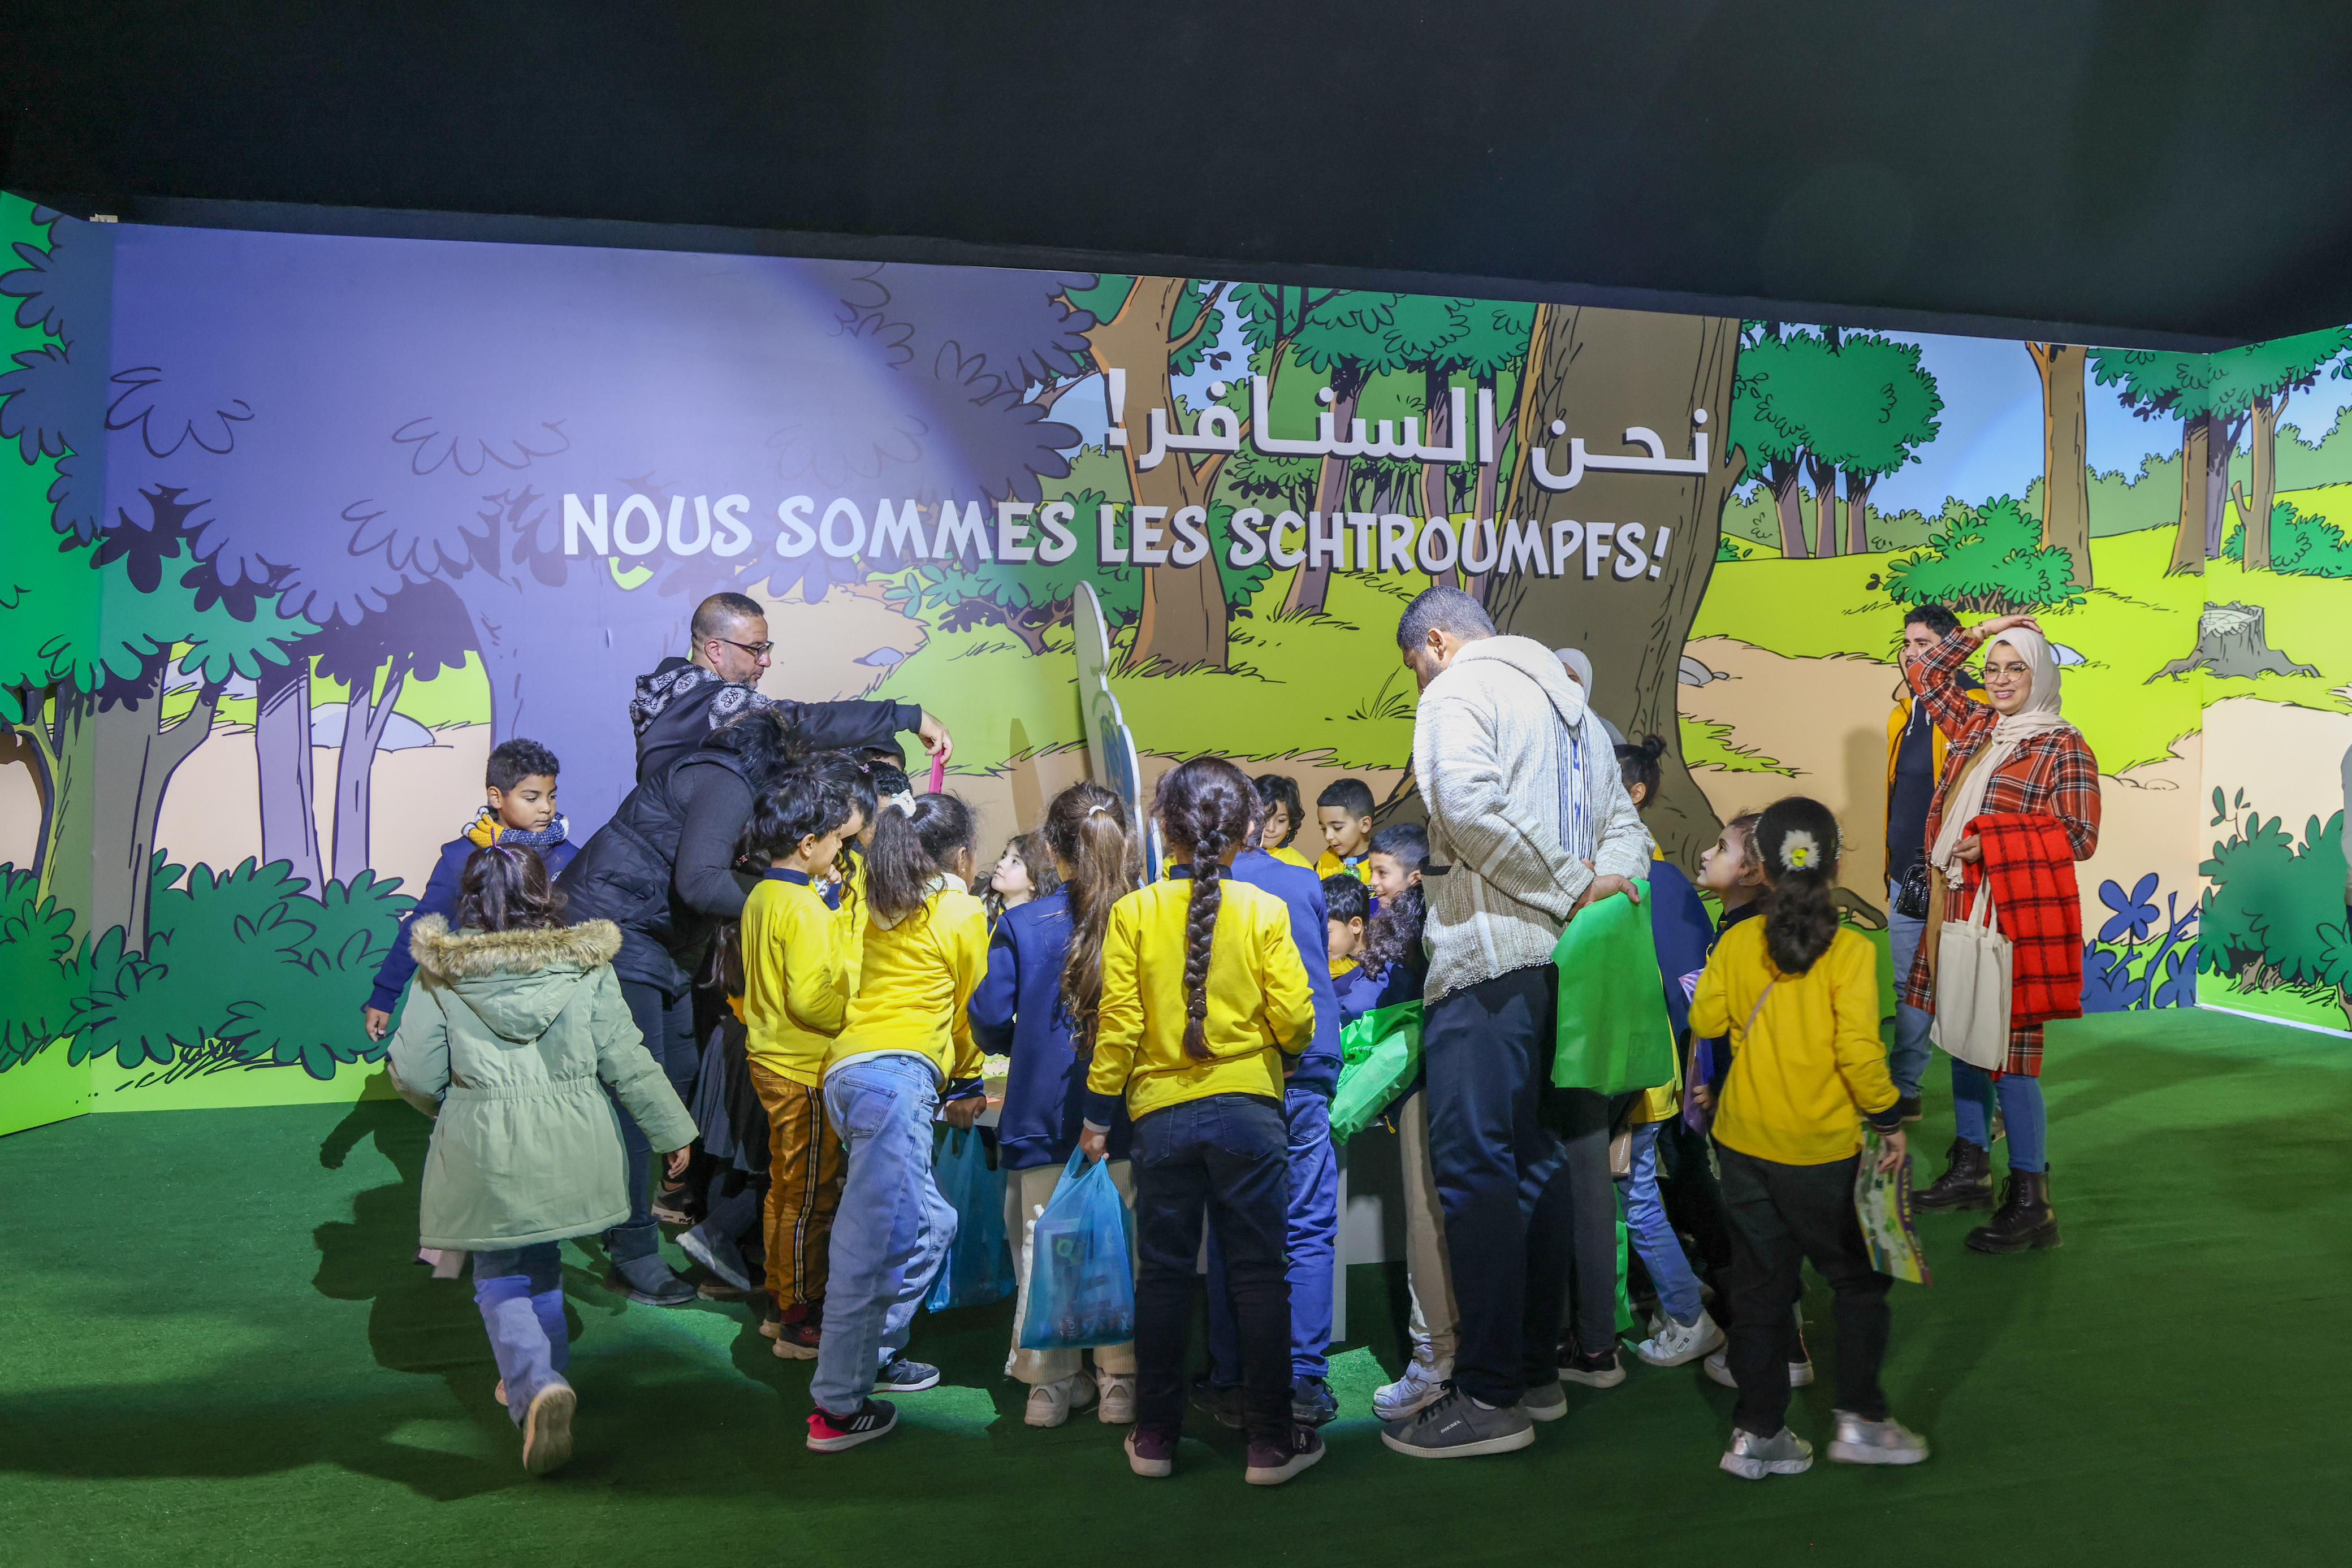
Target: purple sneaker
column 1150, row 1453
column 1270, row 1464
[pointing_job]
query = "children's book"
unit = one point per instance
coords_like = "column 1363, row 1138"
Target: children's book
column 1882, row 1202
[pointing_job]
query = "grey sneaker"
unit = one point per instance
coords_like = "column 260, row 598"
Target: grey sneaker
column 1458, row 1427
column 1545, row 1402
column 1888, row 1442
column 1781, row 1454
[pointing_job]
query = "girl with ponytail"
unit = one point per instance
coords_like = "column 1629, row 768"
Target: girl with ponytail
column 1202, row 998
column 1037, row 1004
column 905, row 1044
column 1798, row 994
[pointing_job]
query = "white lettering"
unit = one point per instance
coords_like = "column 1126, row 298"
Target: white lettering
column 798, row 539
column 960, row 536
column 1248, row 547
column 1596, row 547
column 841, row 549
column 576, row 522
column 1192, row 525
column 678, row 542
column 898, row 530
column 734, row 539
column 1523, row 549
column 1396, row 542
column 1327, row 549
column 1633, row 561
column 1012, row 538
column 1438, row 530
column 1108, row 551
column 1060, row 543
column 1148, row 539
column 1362, row 525
column 1566, row 536
column 1478, row 532
column 1274, row 549
column 637, row 505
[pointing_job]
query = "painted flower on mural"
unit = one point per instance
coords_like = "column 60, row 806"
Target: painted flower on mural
column 2133, row 912
column 2108, row 984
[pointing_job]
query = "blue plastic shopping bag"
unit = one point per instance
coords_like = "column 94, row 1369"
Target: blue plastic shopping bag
column 979, row 1267
column 1081, row 1270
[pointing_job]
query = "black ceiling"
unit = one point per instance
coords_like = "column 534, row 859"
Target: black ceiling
column 2125, row 171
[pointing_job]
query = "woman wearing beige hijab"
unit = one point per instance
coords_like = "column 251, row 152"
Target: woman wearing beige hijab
column 2014, row 754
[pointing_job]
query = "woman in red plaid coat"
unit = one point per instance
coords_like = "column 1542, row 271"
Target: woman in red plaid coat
column 2017, row 807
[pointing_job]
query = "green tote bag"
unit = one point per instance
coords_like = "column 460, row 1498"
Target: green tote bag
column 1381, row 1051
column 1614, row 1036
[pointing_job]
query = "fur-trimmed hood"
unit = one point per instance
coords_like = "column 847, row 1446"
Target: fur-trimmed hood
column 516, row 982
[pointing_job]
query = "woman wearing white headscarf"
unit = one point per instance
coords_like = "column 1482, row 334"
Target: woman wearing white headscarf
column 1580, row 670
column 2012, row 755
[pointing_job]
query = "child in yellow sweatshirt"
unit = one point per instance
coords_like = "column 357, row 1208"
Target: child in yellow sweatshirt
column 1798, row 994
column 905, row 1051
column 796, row 990
column 1206, row 1003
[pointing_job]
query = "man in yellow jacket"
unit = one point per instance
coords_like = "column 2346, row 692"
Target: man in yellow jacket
column 1915, row 763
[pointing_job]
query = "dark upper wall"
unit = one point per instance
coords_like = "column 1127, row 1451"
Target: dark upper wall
column 2131, row 172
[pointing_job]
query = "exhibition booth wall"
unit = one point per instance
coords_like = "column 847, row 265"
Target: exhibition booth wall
column 298, row 526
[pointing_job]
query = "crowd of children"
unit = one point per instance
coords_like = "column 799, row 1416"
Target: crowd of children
column 1186, row 1028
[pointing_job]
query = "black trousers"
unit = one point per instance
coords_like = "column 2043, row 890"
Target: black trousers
column 1225, row 1156
column 1504, row 1178
column 667, row 1023
column 1780, row 1215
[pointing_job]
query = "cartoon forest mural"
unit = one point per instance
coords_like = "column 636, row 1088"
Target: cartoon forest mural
column 296, row 528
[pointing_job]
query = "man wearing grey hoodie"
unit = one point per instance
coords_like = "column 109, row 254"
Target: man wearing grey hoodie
column 1528, row 823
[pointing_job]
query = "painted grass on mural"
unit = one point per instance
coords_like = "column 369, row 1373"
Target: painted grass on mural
column 2132, row 625
column 1298, row 685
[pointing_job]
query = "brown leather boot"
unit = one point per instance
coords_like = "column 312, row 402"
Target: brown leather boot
column 1967, row 1181
column 2024, row 1221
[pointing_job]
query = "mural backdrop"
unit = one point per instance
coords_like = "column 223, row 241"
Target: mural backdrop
column 296, row 528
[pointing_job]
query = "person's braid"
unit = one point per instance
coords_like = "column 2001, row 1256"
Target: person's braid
column 1199, row 936
column 1207, row 806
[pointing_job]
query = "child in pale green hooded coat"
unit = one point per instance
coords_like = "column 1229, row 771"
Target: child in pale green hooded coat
column 514, row 1029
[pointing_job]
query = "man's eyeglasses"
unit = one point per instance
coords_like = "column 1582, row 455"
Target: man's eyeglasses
column 757, row 649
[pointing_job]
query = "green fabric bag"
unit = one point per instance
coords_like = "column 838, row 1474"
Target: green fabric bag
column 1381, row 1052
column 1614, row 1035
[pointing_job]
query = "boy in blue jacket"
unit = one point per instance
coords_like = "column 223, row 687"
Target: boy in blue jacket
column 1348, row 904
column 1314, row 1232
column 521, row 814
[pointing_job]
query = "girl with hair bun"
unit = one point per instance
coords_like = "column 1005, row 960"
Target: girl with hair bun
column 1038, row 1004
column 1798, row 994
column 905, row 1050
column 1202, row 997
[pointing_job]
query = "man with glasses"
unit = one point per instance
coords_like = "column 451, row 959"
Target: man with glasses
column 685, row 699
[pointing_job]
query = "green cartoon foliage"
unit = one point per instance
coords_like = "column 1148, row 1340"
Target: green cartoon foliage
column 2299, row 546
column 36, row 991
column 2275, row 913
column 1988, row 560
column 243, row 969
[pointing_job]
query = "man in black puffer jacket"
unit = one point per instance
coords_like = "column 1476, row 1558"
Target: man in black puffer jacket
column 662, row 867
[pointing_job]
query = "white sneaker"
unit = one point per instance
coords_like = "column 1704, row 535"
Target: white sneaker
column 1718, row 1367
column 1117, row 1390
column 1423, row 1384
column 1887, row 1442
column 1676, row 1345
column 1050, row 1403
column 1752, row 1457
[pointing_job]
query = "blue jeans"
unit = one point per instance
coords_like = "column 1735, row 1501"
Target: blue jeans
column 1312, row 1248
column 1654, row 1234
column 1219, row 1158
column 891, row 1234
column 521, row 1294
column 2021, row 1108
column 1906, row 1060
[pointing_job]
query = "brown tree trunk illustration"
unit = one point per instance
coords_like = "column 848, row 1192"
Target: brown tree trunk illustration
column 2221, row 442
column 1185, row 619
column 2065, row 454
column 113, row 762
column 364, row 727
column 2189, row 534
column 1605, row 369
column 1857, row 511
column 1825, row 530
column 1312, row 583
column 281, row 754
column 1780, row 479
column 2255, row 505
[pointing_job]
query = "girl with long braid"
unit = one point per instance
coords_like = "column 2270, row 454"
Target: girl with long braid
column 1204, row 996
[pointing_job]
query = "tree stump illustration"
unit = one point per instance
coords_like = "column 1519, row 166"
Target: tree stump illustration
column 2230, row 641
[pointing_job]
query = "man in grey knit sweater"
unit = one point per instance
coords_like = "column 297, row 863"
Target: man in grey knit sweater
column 1528, row 823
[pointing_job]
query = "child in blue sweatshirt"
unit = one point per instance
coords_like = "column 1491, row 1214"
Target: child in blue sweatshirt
column 1044, row 973
column 1314, row 1230
column 1347, row 905
column 521, row 814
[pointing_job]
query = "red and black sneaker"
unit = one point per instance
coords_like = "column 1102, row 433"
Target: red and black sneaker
column 829, row 1433
column 796, row 1338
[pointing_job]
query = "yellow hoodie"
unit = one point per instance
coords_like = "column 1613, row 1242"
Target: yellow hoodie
column 796, row 978
column 918, row 978
column 1260, row 1009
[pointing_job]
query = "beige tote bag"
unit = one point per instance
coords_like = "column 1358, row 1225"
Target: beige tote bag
column 1973, row 965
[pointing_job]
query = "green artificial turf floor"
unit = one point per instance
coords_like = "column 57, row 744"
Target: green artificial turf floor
column 216, row 1351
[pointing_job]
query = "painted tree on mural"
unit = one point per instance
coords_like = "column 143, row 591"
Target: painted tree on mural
column 1591, row 369
column 1346, row 343
column 1767, row 423
column 2065, row 453
column 1876, row 408
column 2159, row 385
column 1495, row 346
column 2258, row 380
